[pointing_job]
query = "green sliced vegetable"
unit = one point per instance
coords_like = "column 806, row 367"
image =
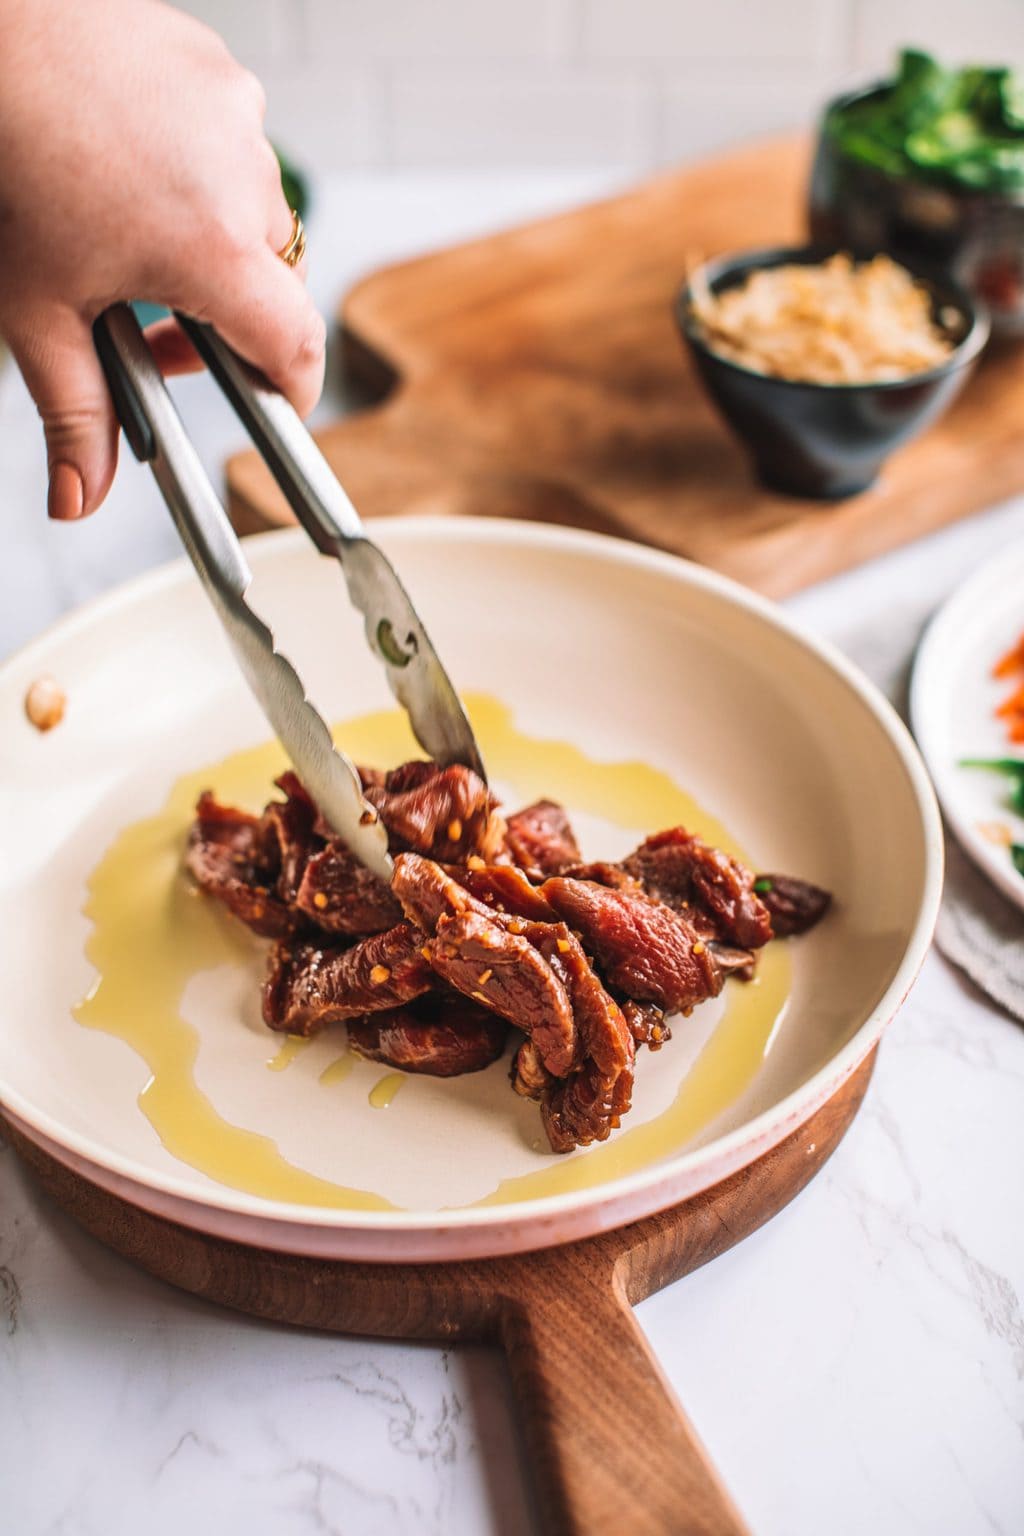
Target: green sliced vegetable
column 959, row 127
column 948, row 137
column 762, row 885
column 1017, row 855
column 1012, row 767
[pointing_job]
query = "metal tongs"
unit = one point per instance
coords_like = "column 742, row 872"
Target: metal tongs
column 394, row 630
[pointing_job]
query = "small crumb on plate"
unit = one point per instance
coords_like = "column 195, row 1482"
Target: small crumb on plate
column 45, row 703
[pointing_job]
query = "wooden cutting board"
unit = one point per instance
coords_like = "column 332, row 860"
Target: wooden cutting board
column 539, row 374
column 609, row 1450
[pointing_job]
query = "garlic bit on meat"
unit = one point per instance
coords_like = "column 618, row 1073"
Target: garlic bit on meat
column 45, row 703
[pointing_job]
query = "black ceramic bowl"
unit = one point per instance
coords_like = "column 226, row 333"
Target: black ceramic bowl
column 828, row 441
column 974, row 238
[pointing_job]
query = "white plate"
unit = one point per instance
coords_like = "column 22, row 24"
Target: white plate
column 626, row 652
column 953, row 699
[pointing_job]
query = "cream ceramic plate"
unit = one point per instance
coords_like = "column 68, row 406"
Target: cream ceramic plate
column 953, row 701
column 622, row 652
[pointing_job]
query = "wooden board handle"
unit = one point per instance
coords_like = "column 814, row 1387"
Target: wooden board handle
column 610, row 1448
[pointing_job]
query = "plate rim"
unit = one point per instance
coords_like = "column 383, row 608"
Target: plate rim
column 546, row 1210
column 963, row 599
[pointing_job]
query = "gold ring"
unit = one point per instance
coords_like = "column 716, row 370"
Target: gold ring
column 293, row 252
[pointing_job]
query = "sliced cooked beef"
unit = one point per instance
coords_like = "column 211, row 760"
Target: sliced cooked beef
column 441, row 1034
column 411, row 775
column 644, row 949
column 504, row 972
column 603, row 873
column 291, row 823
column 732, row 961
column 426, row 892
column 293, row 788
column 686, row 873
column 646, row 1023
column 601, row 1030
column 341, row 895
column 504, row 888
column 232, row 856
column 308, row 986
column 793, row 905
column 541, row 840
column 448, row 813
column 530, row 1077
column 589, row 1104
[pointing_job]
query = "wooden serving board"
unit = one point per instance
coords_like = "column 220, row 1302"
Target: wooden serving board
column 539, row 374
column 608, row 1444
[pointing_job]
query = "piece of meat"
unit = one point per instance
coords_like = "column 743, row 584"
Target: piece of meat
column 290, row 823
column 293, row 788
column 441, row 1035
column 426, row 892
column 409, row 775
column 793, row 905
column 308, row 986
column 503, row 888
column 644, row 949
column 732, row 961
column 341, row 895
column 530, row 1077
column 541, row 840
column 588, row 1106
column 690, row 876
column 448, row 814
column 646, row 1023
column 603, row 873
column 590, row 1103
column 231, row 856
column 503, row 971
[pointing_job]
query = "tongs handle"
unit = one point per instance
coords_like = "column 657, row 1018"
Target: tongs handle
column 157, row 437
column 300, row 469
column 124, row 391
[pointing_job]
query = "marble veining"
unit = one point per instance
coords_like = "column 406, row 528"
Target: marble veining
column 857, row 1365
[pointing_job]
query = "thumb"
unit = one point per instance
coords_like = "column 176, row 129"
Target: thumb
column 59, row 365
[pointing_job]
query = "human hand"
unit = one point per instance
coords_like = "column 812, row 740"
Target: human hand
column 133, row 165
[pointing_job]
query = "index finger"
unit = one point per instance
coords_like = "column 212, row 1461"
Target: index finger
column 266, row 314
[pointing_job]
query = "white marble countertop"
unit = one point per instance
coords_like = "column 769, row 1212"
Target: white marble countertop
column 855, row 1366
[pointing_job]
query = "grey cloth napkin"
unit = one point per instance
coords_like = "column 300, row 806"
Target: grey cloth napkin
column 978, row 929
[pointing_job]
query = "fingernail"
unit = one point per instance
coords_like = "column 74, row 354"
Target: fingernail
column 66, row 495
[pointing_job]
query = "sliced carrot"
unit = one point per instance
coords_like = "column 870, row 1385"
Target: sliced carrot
column 1013, row 661
column 1012, row 708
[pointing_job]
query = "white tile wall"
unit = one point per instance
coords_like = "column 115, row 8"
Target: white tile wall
column 980, row 31
column 590, row 83
column 663, row 30
column 431, row 31
column 701, row 110
column 519, row 116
